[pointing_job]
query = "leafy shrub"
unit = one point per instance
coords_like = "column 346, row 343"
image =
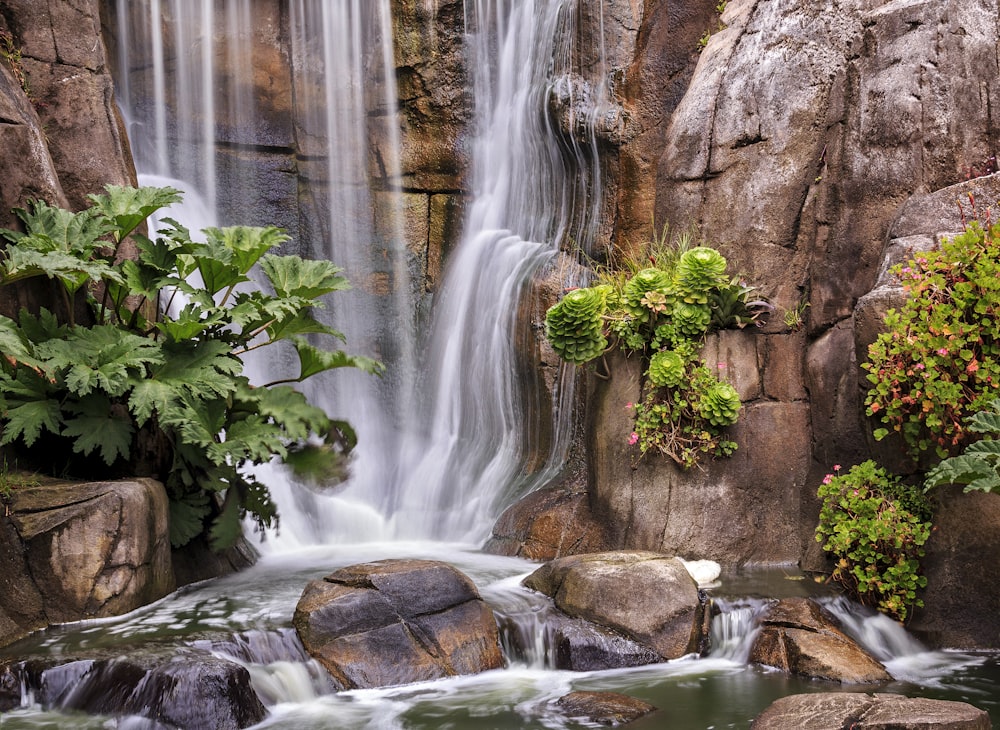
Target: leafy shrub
column 978, row 467
column 166, row 395
column 875, row 527
column 664, row 312
column 938, row 360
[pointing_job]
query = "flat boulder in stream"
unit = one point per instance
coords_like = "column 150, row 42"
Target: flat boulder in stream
column 395, row 622
column 648, row 597
column 799, row 637
column 825, row 710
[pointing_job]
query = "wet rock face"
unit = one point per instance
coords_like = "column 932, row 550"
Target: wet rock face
column 646, row 597
column 869, row 712
column 75, row 551
column 189, row 691
column 397, row 621
column 799, row 637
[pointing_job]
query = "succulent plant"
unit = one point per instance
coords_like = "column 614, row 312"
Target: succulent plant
column 699, row 270
column 636, row 289
column 666, row 368
column 692, row 319
column 574, row 326
column 720, row 404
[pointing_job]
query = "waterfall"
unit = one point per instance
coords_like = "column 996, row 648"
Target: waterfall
column 445, row 438
column 533, row 191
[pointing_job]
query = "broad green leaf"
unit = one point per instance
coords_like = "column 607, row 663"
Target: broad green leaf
column 289, row 409
column 985, row 422
column 312, row 360
column 148, row 397
column 302, row 323
column 14, row 346
column 49, row 228
column 95, row 427
column 247, row 243
column 187, row 517
column 28, row 418
column 961, row 469
column 101, row 357
column 204, row 368
column 250, row 440
column 126, row 207
column 292, row 276
column 73, row 272
column 196, row 422
column 227, row 527
column 191, row 322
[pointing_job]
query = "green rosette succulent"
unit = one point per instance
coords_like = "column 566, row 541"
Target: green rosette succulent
column 699, row 270
column 575, row 325
column 692, row 320
column 666, row 369
column 720, row 404
column 636, row 289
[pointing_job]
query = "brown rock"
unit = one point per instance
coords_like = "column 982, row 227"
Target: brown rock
column 827, row 711
column 603, row 708
column 397, row 621
column 799, row 637
column 90, row 550
column 547, row 524
column 648, row 597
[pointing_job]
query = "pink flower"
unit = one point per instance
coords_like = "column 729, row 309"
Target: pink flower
column 836, row 467
column 942, row 351
column 828, row 478
column 721, row 366
column 628, row 405
column 633, row 438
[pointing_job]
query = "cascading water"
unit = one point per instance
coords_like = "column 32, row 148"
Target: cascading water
column 535, row 189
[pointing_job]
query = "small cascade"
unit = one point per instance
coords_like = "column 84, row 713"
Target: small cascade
column 734, row 627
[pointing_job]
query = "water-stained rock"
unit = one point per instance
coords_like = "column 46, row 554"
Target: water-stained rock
column 800, row 637
column 869, row 712
column 603, row 708
column 397, row 621
column 647, row 597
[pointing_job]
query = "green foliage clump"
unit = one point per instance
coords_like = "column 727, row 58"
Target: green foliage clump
column 663, row 311
column 938, row 359
column 574, row 326
column 978, row 467
column 104, row 376
column 875, row 528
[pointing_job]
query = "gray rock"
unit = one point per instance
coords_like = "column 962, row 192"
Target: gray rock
column 799, row 637
column 395, row 622
column 833, row 711
column 647, row 597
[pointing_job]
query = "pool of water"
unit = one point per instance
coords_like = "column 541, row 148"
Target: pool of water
column 716, row 691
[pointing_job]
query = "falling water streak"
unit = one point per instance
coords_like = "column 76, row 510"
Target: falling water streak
column 160, row 159
column 207, row 138
column 526, row 205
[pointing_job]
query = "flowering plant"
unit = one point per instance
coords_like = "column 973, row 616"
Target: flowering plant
column 937, row 362
column 875, row 528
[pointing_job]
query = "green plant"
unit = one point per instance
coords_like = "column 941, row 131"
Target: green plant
column 937, row 360
column 875, row 528
column 11, row 53
column 663, row 310
column 978, row 467
column 794, row 318
column 129, row 392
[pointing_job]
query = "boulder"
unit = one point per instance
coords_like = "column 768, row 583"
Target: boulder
column 397, row 621
column 603, row 708
column 799, row 637
column 185, row 691
column 81, row 550
column 547, row 524
column 825, row 710
column 647, row 597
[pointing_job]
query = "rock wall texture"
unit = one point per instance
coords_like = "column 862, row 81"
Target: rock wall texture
column 802, row 131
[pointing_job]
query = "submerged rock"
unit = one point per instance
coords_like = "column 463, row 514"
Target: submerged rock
column 799, row 637
column 647, row 597
column 603, row 708
column 397, row 621
column 869, row 712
